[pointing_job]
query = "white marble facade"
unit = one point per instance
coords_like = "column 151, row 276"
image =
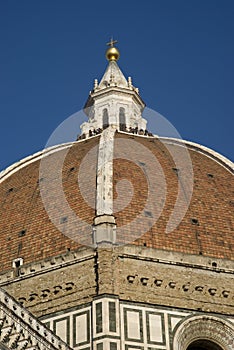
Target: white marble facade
column 113, row 102
column 111, row 324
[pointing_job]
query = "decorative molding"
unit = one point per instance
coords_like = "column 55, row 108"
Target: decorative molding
column 47, row 293
column 190, row 287
column 20, row 329
column 56, row 262
column 175, row 258
column 213, row 328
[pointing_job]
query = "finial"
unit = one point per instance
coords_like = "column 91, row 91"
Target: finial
column 112, row 53
column 95, row 84
column 130, row 82
column 112, row 42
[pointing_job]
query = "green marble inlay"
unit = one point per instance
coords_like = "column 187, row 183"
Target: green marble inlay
column 113, row 346
column 98, row 318
column 112, row 316
column 100, row 346
column 130, row 347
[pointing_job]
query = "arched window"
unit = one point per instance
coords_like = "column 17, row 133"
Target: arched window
column 122, row 119
column 105, row 118
column 203, row 345
column 204, row 332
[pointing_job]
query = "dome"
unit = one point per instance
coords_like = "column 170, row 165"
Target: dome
column 28, row 230
column 117, row 184
column 116, row 240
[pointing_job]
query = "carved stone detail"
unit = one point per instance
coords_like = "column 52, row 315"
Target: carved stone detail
column 20, row 330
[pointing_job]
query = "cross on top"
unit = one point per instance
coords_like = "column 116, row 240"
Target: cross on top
column 112, row 42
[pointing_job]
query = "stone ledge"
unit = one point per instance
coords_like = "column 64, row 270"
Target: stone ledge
column 175, row 258
column 104, row 219
column 46, row 265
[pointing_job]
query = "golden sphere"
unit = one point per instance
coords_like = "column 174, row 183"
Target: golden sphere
column 112, row 54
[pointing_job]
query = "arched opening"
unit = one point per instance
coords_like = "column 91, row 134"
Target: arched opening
column 204, row 332
column 105, row 118
column 122, row 119
column 203, row 345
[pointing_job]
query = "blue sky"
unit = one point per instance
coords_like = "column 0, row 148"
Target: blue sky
column 179, row 53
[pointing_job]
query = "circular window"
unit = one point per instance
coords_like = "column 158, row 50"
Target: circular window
column 203, row 345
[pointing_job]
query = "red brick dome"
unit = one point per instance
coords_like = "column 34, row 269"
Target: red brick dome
column 206, row 226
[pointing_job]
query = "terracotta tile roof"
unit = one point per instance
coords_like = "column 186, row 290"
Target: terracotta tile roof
column 25, row 228
column 207, row 227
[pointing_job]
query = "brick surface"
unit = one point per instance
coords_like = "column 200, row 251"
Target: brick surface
column 211, row 204
column 22, row 210
column 58, row 288
column 26, row 230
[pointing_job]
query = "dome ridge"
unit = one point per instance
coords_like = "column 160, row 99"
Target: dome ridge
column 221, row 159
